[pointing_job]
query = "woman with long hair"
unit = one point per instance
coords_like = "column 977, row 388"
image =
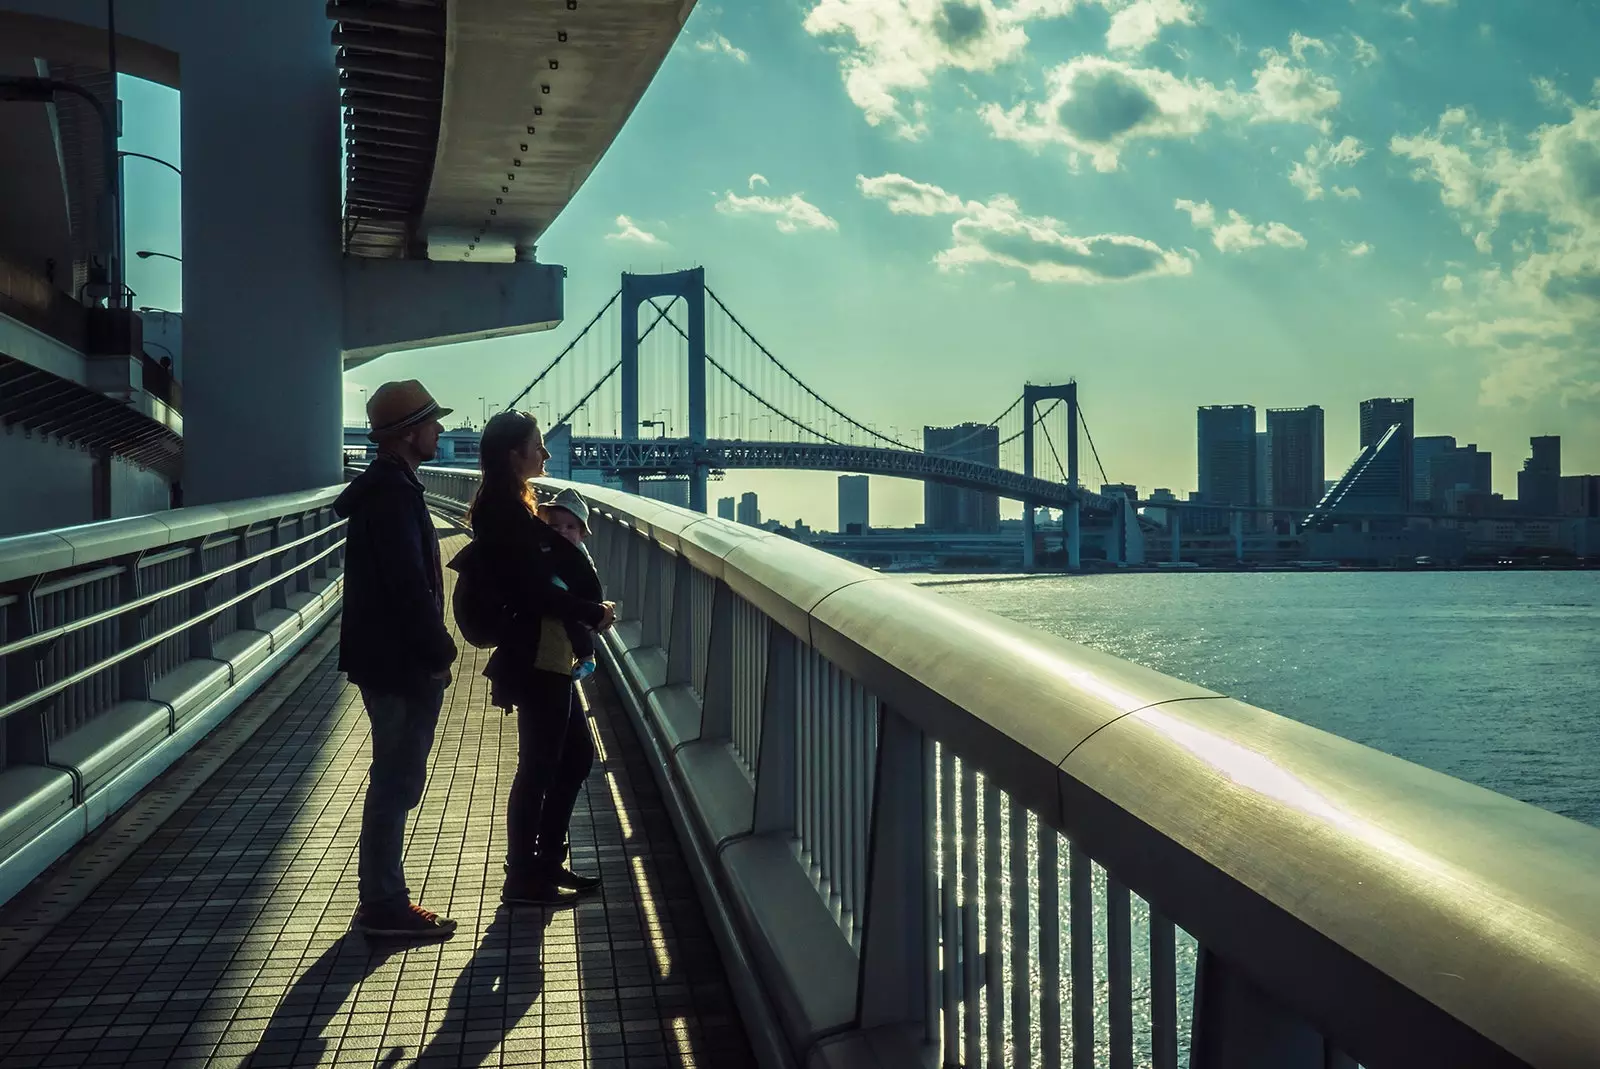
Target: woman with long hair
column 550, row 588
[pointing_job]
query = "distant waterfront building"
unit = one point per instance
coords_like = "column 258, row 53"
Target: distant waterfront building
column 1463, row 468
column 1264, row 463
column 854, row 504
column 1580, row 496
column 1378, row 414
column 1127, row 490
column 1423, row 452
column 725, row 508
column 1296, row 452
column 1539, row 481
column 673, row 491
column 1226, row 448
column 952, row 509
column 1378, row 482
column 1160, row 515
column 749, row 510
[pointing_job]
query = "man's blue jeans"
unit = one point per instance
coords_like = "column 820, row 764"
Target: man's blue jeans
column 403, row 723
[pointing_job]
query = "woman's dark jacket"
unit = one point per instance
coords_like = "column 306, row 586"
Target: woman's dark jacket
column 523, row 556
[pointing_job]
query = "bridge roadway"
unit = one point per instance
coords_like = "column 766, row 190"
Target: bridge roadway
column 680, row 456
column 215, row 929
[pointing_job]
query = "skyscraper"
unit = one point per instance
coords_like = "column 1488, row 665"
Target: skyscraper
column 1296, row 448
column 1264, row 465
column 1226, row 449
column 1378, row 414
column 749, row 511
column 1539, row 481
column 853, row 504
column 1375, row 484
column 1423, row 450
column 725, row 508
column 1462, row 468
column 950, row 508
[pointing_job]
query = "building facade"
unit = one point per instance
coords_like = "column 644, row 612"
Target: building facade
column 1539, row 481
column 1295, row 451
column 1378, row 414
column 854, row 504
column 1226, row 448
column 952, row 509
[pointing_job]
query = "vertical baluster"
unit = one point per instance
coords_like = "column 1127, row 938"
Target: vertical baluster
column 1080, row 888
column 930, row 890
column 950, row 934
column 1163, row 993
column 1021, row 931
column 1119, row 956
column 971, row 966
column 802, row 753
column 994, row 996
column 1049, row 948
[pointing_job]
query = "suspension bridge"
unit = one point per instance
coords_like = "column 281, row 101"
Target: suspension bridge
column 666, row 354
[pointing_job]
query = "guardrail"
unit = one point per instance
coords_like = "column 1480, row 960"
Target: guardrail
column 931, row 835
column 123, row 643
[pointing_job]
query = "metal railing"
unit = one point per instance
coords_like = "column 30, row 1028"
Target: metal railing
column 931, row 835
column 123, row 642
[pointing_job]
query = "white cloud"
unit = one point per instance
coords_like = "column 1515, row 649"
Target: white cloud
column 1140, row 23
column 1366, row 53
column 1300, row 44
column 722, row 46
column 758, row 180
column 1536, row 316
column 1358, row 248
column 1286, row 92
column 628, row 230
column 890, row 50
column 1306, row 175
column 1236, row 233
column 792, row 213
column 1097, row 106
column 998, row 232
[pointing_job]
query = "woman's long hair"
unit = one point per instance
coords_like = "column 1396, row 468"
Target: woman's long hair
column 505, row 433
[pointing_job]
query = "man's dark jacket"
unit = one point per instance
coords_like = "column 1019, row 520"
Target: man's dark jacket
column 392, row 636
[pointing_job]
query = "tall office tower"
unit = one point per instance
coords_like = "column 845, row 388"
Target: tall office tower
column 1378, row 414
column 1296, row 449
column 1539, row 481
column 950, row 508
column 853, row 504
column 1226, row 449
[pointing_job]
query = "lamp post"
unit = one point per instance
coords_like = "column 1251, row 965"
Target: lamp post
column 43, row 91
column 124, row 153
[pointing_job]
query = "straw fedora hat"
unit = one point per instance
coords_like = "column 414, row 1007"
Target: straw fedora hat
column 396, row 407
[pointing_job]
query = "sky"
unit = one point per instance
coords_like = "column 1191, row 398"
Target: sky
column 921, row 205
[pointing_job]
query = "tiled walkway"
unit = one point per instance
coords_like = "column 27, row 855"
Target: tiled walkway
column 225, row 938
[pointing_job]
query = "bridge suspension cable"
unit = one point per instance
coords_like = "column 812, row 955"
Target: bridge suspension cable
column 584, row 333
column 797, row 381
column 1096, row 453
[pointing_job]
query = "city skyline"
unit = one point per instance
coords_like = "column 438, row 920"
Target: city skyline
column 1285, row 204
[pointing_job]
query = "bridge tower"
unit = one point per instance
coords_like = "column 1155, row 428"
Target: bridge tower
column 636, row 289
column 1031, row 396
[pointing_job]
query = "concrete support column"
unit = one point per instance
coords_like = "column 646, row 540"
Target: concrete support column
column 1029, row 563
column 1177, row 535
column 1236, row 525
column 263, row 293
column 1074, row 536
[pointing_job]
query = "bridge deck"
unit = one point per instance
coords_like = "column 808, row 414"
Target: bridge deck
column 209, row 922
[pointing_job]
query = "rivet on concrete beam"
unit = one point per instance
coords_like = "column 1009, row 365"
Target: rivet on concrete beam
column 544, row 89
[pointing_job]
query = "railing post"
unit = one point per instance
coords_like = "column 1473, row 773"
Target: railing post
column 278, row 593
column 650, row 603
column 133, row 674
column 716, row 690
column 680, row 631
column 200, row 644
column 1238, row 1026
column 244, row 578
column 895, row 963
column 639, row 547
column 25, row 731
column 775, row 768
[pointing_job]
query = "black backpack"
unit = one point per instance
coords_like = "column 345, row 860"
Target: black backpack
column 480, row 608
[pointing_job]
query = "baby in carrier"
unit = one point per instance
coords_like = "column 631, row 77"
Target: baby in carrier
column 568, row 515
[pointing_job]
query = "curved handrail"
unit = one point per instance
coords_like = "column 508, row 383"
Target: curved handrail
column 1396, row 907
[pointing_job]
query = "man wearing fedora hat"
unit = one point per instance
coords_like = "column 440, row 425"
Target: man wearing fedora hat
column 394, row 646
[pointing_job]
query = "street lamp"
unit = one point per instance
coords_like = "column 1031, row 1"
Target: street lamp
column 145, row 254
column 43, row 91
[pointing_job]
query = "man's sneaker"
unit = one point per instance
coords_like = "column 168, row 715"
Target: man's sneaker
column 529, row 891
column 409, row 922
